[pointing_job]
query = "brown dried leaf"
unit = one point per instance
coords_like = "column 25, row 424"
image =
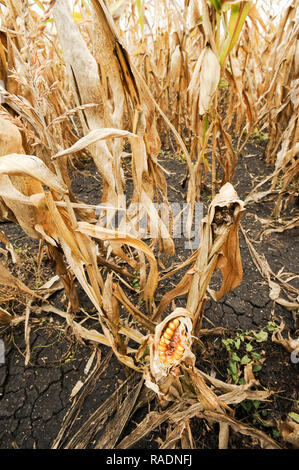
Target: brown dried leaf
column 14, row 256
column 122, row 238
column 20, row 164
column 289, row 431
column 92, row 137
column 152, row 420
column 10, row 136
column 8, row 279
column 5, row 317
column 289, row 344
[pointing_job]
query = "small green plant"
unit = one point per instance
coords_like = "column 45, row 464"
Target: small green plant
column 71, row 357
column 257, row 412
column 256, row 409
column 259, row 135
column 232, row 345
column 37, row 283
column 271, row 326
column 180, row 156
column 135, row 281
column 242, row 351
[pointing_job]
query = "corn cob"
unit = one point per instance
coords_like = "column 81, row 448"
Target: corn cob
column 170, row 348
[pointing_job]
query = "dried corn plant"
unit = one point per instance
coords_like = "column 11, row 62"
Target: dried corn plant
column 255, row 91
column 189, row 53
column 166, row 358
column 219, row 249
column 264, row 71
column 24, row 199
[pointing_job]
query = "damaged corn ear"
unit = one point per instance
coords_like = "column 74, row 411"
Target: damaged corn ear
column 170, row 347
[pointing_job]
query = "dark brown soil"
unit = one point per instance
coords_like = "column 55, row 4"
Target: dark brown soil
column 34, row 399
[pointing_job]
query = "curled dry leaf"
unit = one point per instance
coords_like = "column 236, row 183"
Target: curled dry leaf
column 122, row 238
column 19, row 164
column 14, row 256
column 219, row 249
column 289, row 344
column 204, row 82
column 5, row 317
column 227, row 209
column 289, row 431
column 10, row 137
column 8, row 279
column 275, row 295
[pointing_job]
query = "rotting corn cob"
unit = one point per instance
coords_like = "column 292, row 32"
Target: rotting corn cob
column 170, row 348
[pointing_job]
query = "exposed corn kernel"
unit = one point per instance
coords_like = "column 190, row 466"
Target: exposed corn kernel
column 174, row 324
column 170, row 346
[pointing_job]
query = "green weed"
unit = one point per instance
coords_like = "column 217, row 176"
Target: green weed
column 241, row 351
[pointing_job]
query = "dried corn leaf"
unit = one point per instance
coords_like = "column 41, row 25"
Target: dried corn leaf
column 182, row 288
column 8, row 279
column 235, row 394
column 92, row 137
column 88, row 88
column 79, row 330
column 287, row 226
column 265, row 441
column 132, row 309
column 111, row 309
column 140, row 173
column 3, row 239
column 116, row 425
column 5, row 317
column 206, row 396
column 173, row 436
column 266, row 272
column 196, row 409
column 275, row 295
column 10, row 136
column 152, row 420
column 112, row 235
column 62, row 223
column 20, row 164
column 289, row 431
column 16, row 192
column 219, row 249
column 289, row 344
column 203, row 84
column 99, row 419
column 227, row 209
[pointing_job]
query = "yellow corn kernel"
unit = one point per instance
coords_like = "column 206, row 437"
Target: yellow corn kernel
column 169, row 331
column 164, row 340
column 167, row 336
column 173, row 324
